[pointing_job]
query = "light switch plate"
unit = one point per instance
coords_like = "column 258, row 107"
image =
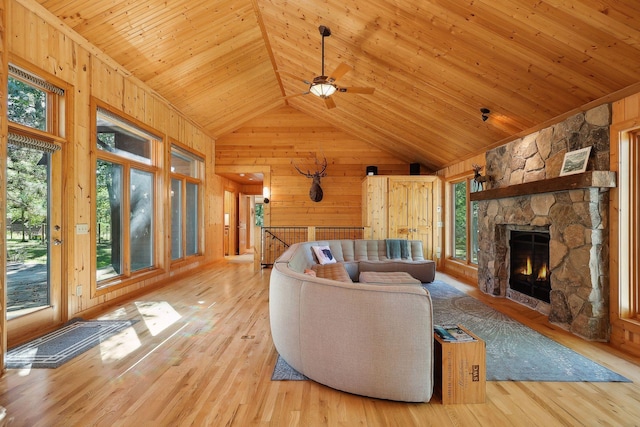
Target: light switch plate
column 82, row 228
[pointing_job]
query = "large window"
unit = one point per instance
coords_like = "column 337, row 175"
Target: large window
column 186, row 184
column 35, row 108
column 464, row 230
column 125, row 198
column 629, row 234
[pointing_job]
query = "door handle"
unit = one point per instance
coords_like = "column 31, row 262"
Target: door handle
column 57, row 242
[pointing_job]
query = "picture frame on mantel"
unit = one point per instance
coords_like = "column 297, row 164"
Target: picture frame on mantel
column 575, row 161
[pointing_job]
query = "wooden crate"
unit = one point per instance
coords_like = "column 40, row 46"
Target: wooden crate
column 460, row 370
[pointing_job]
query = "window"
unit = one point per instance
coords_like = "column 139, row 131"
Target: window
column 460, row 220
column 186, row 185
column 464, row 230
column 126, row 175
column 259, row 214
column 629, row 232
column 35, row 108
column 27, row 104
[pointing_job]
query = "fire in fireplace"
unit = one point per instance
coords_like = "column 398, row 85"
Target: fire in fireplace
column 529, row 268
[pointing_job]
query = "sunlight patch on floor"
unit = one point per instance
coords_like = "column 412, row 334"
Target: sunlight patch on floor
column 120, row 345
column 157, row 315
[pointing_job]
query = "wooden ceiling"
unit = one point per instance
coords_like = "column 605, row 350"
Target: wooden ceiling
column 434, row 63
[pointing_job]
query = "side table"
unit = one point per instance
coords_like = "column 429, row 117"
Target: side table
column 460, row 370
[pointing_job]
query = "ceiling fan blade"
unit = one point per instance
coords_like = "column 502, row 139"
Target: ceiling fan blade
column 285, row 73
column 296, row 94
column 362, row 90
column 329, row 103
column 339, row 72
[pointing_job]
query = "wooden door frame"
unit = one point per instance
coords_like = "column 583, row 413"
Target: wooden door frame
column 265, row 170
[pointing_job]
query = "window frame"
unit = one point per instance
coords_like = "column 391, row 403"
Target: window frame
column 629, row 229
column 56, row 108
column 127, row 276
column 469, row 229
column 55, row 111
column 198, row 180
column 53, row 140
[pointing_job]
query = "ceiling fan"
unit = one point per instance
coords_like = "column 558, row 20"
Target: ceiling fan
column 324, row 86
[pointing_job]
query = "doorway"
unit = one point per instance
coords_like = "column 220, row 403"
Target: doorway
column 34, row 240
column 245, row 190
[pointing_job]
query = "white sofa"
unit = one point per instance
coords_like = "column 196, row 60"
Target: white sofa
column 365, row 339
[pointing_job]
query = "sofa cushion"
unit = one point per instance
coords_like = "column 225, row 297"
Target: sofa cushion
column 388, row 278
column 334, row 271
column 370, row 250
column 324, row 255
column 424, row 271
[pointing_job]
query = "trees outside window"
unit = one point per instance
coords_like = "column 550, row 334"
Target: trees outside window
column 460, row 220
column 464, row 230
column 628, row 209
column 34, row 108
column 187, row 170
column 126, row 175
column 27, row 104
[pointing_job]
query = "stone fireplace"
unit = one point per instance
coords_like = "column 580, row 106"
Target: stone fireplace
column 527, row 195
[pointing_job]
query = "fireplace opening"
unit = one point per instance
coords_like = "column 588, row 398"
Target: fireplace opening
column 529, row 267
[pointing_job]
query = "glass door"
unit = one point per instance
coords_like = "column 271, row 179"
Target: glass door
column 34, row 240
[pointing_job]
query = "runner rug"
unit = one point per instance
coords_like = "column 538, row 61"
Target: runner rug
column 515, row 352
column 61, row 345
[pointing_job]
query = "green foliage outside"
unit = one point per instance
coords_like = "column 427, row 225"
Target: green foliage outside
column 27, row 171
column 27, row 191
column 33, row 250
column 259, row 214
column 26, row 104
column 103, row 254
column 460, row 220
column 104, row 185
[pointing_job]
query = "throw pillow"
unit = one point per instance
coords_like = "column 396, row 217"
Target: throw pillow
column 323, row 254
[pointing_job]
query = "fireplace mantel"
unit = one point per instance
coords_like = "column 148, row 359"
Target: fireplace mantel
column 595, row 179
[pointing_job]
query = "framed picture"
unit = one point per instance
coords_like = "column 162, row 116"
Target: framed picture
column 575, row 161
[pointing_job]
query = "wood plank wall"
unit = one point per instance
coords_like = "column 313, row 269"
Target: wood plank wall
column 39, row 41
column 278, row 137
column 625, row 331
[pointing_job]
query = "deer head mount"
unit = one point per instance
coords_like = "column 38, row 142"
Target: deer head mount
column 478, row 179
column 315, row 192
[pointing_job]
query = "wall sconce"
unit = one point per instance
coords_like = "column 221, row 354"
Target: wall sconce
column 265, row 194
column 485, row 114
column 226, row 220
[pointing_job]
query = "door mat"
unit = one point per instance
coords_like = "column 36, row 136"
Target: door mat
column 54, row 349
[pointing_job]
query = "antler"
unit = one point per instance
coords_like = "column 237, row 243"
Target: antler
column 324, row 167
column 317, row 173
column 477, row 168
column 308, row 174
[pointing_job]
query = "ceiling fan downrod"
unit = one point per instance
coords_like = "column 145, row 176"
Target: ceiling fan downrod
column 324, row 32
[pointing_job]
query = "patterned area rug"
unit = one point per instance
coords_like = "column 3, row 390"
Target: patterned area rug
column 515, row 352
column 59, row 346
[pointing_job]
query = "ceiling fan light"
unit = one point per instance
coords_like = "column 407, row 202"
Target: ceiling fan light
column 323, row 90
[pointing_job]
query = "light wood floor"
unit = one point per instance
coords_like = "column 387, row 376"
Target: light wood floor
column 201, row 354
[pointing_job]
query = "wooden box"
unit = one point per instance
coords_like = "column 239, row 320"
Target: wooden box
column 460, row 370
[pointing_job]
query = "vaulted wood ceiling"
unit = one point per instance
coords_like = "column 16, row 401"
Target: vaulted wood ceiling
column 434, row 63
